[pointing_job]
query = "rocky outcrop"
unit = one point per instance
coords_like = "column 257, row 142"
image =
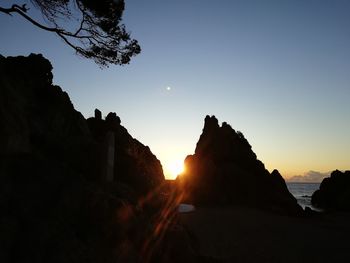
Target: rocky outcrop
column 55, row 204
column 133, row 163
column 225, row 170
column 34, row 113
column 37, row 117
column 334, row 192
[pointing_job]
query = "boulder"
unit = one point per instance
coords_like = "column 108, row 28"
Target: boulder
column 225, row 171
column 334, row 192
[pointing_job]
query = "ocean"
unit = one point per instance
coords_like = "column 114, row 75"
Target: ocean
column 303, row 192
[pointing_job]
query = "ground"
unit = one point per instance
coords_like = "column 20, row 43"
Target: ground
column 236, row 234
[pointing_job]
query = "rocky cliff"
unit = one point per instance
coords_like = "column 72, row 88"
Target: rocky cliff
column 37, row 117
column 133, row 163
column 225, row 170
column 334, row 192
column 55, row 200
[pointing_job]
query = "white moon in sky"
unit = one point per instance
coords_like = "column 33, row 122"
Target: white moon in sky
column 168, row 88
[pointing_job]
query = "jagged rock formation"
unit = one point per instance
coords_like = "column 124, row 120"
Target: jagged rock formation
column 37, row 117
column 225, row 170
column 134, row 163
column 55, row 205
column 33, row 110
column 334, row 192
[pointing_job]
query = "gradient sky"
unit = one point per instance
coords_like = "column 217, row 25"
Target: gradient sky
column 278, row 71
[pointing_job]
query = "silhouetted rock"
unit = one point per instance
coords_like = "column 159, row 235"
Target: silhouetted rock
column 37, row 117
column 134, row 163
column 98, row 114
column 34, row 113
column 113, row 119
column 334, row 192
column 225, row 170
column 54, row 205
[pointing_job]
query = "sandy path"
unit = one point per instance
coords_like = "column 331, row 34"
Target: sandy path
column 246, row 235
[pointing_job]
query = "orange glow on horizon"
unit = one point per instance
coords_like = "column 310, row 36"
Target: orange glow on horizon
column 173, row 168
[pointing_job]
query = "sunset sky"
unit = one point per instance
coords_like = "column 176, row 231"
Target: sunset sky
column 278, row 71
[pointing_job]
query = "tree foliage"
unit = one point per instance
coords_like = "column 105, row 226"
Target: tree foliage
column 92, row 28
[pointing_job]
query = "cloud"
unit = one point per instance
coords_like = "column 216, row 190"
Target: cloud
column 309, row 177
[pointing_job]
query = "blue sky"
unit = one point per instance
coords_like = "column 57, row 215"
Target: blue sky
column 279, row 71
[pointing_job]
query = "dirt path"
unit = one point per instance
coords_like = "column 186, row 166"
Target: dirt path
column 246, row 235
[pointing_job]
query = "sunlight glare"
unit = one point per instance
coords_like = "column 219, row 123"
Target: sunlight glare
column 174, row 168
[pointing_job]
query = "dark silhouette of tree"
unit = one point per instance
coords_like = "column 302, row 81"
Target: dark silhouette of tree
column 92, row 28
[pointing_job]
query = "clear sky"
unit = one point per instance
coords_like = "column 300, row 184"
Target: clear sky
column 278, row 71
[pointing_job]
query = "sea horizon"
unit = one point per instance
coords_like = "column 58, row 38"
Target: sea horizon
column 303, row 191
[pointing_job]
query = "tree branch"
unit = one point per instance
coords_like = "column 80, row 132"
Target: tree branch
column 6, row 10
column 22, row 11
column 98, row 37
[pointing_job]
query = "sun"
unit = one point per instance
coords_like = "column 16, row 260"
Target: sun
column 174, row 168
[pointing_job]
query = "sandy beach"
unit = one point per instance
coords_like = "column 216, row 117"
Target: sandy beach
column 236, row 234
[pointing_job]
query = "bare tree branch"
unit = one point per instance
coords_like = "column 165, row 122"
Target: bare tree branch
column 98, row 35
